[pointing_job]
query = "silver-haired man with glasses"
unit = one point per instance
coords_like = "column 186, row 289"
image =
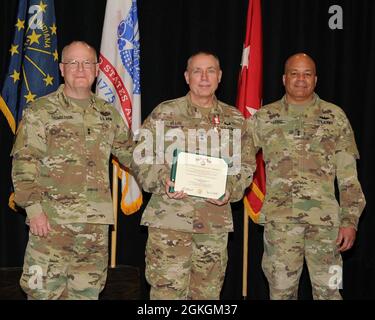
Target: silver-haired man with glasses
column 60, row 174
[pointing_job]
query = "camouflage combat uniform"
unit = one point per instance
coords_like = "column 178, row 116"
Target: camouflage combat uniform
column 305, row 148
column 186, row 254
column 60, row 167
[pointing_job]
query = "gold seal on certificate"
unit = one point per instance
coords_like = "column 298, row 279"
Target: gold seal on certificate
column 199, row 175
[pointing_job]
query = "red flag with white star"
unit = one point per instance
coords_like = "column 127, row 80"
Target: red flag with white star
column 249, row 100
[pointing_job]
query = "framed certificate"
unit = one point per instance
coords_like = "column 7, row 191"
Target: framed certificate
column 199, row 175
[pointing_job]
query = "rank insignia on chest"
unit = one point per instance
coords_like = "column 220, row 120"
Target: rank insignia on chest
column 298, row 133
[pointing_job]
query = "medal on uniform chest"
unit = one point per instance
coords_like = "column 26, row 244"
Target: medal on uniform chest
column 216, row 121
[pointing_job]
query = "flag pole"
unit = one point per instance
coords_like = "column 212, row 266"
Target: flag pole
column 115, row 207
column 249, row 100
column 245, row 253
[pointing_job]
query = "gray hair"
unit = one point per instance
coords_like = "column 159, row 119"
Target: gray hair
column 206, row 53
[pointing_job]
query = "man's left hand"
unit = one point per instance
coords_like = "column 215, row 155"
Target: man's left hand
column 346, row 238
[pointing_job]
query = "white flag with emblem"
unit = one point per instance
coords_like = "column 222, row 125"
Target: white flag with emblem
column 119, row 79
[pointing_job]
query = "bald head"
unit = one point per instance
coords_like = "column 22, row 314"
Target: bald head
column 299, row 57
column 78, row 44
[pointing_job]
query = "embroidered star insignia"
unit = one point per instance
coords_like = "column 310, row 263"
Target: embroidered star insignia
column 30, row 97
column 53, row 29
column 48, row 80
column 14, row 49
column 55, row 55
column 15, row 76
column 34, row 38
column 42, row 6
column 20, row 24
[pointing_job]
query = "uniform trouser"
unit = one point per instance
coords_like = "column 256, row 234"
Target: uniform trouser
column 286, row 246
column 70, row 263
column 181, row 265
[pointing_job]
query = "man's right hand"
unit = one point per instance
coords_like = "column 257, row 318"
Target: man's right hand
column 173, row 195
column 39, row 225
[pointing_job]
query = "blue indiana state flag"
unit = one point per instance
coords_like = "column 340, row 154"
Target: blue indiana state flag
column 33, row 68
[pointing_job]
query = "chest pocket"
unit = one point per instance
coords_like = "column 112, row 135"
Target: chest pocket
column 275, row 139
column 99, row 130
column 63, row 135
column 100, row 135
column 321, row 137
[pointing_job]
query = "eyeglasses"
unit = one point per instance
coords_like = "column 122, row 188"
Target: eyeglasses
column 74, row 64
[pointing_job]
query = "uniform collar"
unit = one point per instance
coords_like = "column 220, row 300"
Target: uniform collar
column 193, row 109
column 311, row 109
column 64, row 100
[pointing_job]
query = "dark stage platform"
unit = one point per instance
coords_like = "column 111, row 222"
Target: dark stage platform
column 123, row 283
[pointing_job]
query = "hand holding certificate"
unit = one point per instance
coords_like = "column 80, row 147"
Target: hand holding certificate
column 199, row 175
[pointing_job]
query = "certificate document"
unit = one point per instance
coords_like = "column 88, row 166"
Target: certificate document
column 199, row 175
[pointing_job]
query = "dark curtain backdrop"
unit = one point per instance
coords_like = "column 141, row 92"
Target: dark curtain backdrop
column 170, row 31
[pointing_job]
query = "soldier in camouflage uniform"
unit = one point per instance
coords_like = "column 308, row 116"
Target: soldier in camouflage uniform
column 60, row 174
column 307, row 143
column 186, row 253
